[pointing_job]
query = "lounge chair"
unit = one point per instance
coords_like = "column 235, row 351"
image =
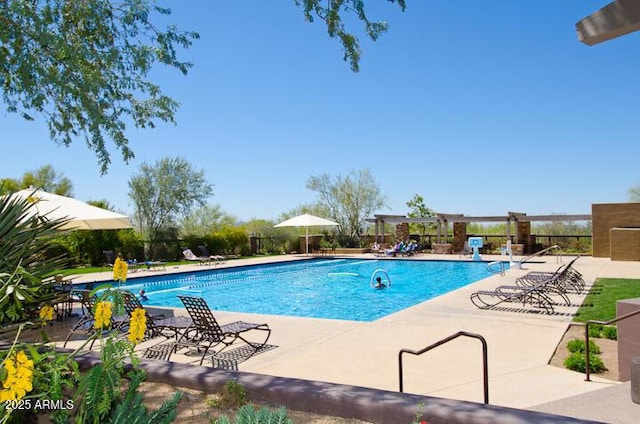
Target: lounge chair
column 565, row 276
column 157, row 325
column 190, row 256
column 204, row 252
column 111, row 257
column 538, row 296
column 205, row 333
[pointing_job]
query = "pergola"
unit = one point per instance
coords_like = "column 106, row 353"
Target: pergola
column 618, row 18
column 443, row 220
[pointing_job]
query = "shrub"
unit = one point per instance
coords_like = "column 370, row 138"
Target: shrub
column 577, row 362
column 610, row 332
column 249, row 415
column 577, row 345
column 233, row 395
column 595, row 330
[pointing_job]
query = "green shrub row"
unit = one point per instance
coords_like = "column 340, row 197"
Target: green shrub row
column 577, row 361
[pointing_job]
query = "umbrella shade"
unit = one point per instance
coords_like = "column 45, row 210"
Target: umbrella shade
column 306, row 220
column 81, row 215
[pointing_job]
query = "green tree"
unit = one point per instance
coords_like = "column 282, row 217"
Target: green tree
column 348, row 199
column 418, row 209
column 164, row 192
column 83, row 66
column 45, row 177
column 634, row 194
column 331, row 12
column 205, row 220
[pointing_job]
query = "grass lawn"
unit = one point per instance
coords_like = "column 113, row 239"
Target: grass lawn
column 600, row 303
column 89, row 270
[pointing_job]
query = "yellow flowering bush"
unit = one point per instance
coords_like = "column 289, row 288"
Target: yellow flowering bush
column 19, row 376
column 120, row 269
column 137, row 326
column 102, row 315
column 46, row 313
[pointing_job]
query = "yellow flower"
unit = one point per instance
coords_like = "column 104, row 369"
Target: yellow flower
column 18, row 382
column 120, row 268
column 137, row 326
column 46, row 313
column 102, row 315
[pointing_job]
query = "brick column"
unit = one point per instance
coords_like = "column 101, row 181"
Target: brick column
column 524, row 235
column 459, row 236
column 402, row 231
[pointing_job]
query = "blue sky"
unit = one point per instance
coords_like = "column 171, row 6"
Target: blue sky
column 481, row 107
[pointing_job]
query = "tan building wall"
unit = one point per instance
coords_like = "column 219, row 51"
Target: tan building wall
column 628, row 336
column 606, row 216
column 625, row 244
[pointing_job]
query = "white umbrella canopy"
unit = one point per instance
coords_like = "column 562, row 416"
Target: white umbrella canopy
column 81, row 215
column 306, row 220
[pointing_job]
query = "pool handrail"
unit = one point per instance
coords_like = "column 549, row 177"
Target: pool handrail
column 485, row 362
column 518, row 264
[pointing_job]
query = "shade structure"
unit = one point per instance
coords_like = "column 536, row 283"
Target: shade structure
column 81, row 215
column 306, row 220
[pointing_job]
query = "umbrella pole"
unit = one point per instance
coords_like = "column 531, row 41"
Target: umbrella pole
column 306, row 241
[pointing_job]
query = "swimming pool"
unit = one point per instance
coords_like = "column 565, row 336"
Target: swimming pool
column 318, row 288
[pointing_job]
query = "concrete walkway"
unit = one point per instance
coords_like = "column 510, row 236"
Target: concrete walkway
column 520, row 344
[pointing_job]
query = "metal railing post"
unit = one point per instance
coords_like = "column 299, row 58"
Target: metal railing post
column 485, row 361
column 586, row 337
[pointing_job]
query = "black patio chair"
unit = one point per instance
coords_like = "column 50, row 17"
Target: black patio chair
column 85, row 325
column 206, row 333
column 204, row 253
column 111, row 257
column 157, row 325
column 565, row 277
column 538, row 296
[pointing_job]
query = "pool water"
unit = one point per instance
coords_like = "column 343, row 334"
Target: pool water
column 322, row 288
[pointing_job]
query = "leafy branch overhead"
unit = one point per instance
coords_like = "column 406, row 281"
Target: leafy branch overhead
column 332, row 11
column 84, row 66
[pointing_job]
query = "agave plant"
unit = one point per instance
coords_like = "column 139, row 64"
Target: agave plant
column 24, row 240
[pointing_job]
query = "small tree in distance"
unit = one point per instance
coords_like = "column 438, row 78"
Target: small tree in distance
column 418, row 209
column 349, row 200
column 164, row 192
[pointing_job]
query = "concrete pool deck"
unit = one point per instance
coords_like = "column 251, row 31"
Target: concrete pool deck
column 365, row 354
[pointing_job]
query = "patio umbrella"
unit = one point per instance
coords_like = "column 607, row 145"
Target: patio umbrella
column 306, row 221
column 81, row 215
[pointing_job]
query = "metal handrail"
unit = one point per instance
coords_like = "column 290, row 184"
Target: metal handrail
column 586, row 336
column 540, row 253
column 495, row 271
column 485, row 367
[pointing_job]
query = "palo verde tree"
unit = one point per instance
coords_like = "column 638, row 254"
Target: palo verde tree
column 83, row 66
column 164, row 192
column 205, row 220
column 349, row 200
column 331, row 13
column 45, row 177
column 418, row 209
column 634, row 194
